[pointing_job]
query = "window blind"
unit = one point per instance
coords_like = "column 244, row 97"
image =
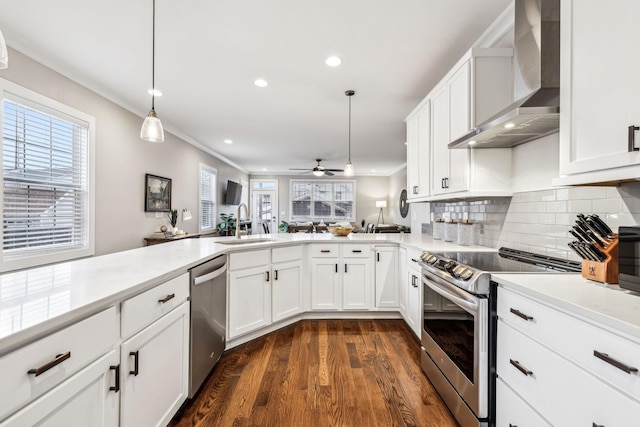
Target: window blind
column 45, row 184
column 207, row 198
column 322, row 199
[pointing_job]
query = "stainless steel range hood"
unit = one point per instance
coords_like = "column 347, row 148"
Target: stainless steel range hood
column 536, row 77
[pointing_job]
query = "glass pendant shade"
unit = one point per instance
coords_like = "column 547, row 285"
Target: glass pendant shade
column 152, row 128
column 4, row 53
column 348, row 170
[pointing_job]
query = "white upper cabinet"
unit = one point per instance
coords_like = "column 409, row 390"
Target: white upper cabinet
column 599, row 91
column 478, row 87
column 418, row 153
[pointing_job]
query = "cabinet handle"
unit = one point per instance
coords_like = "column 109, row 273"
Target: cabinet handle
column 357, row 251
column 413, row 280
column 116, row 387
column 135, row 363
column 441, row 182
column 520, row 367
column 167, row 298
column 336, row 267
column 632, row 138
column 414, row 260
column 378, row 256
column 415, row 189
column 325, row 251
column 520, row 314
column 275, row 274
column 610, row 360
column 44, row 368
column 345, row 267
column 597, row 425
column 267, row 275
column 446, row 183
column 512, row 425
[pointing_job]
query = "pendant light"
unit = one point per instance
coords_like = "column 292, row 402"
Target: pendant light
column 152, row 127
column 348, row 170
column 4, row 53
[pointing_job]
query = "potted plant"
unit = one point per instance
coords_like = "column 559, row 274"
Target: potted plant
column 173, row 220
column 284, row 225
column 228, row 225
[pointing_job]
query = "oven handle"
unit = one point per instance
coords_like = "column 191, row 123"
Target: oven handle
column 451, row 292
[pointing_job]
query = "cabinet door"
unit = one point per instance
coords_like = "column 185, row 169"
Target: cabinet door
column 404, row 281
column 155, row 370
column 414, row 301
column 85, row 399
column 325, row 284
column 600, row 89
column 386, row 277
column 460, row 102
column 511, row 410
column 356, row 284
column 419, row 153
column 440, row 131
column 285, row 290
column 249, row 300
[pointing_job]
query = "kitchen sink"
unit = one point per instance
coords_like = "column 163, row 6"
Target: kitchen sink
column 245, row 241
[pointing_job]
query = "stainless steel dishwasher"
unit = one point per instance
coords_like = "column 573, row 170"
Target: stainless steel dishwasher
column 208, row 319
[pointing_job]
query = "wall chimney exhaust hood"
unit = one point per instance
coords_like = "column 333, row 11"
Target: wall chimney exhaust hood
column 536, row 80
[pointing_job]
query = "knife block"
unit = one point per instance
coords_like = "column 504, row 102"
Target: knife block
column 606, row 271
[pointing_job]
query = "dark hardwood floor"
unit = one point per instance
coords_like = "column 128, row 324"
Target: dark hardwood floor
column 321, row 373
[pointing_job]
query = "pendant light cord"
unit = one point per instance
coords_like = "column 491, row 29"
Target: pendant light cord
column 153, row 58
column 349, row 128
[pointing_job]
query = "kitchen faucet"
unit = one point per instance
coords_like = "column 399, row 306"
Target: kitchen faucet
column 246, row 209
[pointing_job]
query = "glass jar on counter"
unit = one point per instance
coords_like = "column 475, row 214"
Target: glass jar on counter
column 450, row 231
column 438, row 229
column 465, row 233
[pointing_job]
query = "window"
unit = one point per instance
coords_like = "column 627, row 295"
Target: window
column 47, row 203
column 332, row 200
column 208, row 198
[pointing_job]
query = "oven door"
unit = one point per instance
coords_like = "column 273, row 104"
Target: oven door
column 455, row 337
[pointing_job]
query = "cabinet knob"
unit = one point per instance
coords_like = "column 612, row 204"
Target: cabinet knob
column 632, row 138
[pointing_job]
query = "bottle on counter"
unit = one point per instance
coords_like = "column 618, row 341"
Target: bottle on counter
column 438, row 229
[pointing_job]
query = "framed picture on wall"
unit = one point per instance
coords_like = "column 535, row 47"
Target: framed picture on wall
column 157, row 193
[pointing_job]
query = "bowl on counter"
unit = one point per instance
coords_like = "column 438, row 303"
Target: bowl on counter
column 339, row 230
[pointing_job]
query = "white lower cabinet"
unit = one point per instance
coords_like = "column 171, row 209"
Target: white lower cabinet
column 386, row 276
column 414, row 296
column 249, row 300
column 564, row 384
column 404, row 281
column 91, row 397
column 155, row 370
column 286, row 292
column 341, row 277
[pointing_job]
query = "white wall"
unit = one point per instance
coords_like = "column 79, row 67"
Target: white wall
column 122, row 160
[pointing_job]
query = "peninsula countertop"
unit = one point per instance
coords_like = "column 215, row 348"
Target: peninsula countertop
column 35, row 302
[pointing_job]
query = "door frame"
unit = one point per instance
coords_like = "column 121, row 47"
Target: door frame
column 257, row 225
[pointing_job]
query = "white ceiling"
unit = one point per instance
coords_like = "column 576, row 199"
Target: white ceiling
column 208, row 53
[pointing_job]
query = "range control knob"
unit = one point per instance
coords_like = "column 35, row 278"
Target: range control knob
column 458, row 271
column 466, row 274
column 449, row 266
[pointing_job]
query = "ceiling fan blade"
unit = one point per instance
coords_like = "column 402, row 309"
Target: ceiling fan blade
column 335, row 170
column 300, row 169
column 328, row 172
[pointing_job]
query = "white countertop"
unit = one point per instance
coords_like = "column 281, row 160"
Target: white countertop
column 37, row 301
column 606, row 305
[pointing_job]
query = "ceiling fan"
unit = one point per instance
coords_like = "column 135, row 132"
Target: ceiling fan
column 319, row 170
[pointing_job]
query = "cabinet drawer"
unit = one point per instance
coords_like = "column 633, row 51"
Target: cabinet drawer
column 511, row 410
column 324, row 251
column 575, row 339
column 356, row 251
column 559, row 390
column 84, row 342
column 288, row 253
column 248, row 259
column 140, row 311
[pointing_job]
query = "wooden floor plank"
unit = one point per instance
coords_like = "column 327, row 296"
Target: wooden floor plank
column 320, row 373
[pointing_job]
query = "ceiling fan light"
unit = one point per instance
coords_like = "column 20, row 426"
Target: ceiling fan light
column 318, row 172
column 348, row 170
column 152, row 130
column 4, row 53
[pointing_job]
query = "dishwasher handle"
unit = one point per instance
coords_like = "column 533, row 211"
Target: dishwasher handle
column 209, row 276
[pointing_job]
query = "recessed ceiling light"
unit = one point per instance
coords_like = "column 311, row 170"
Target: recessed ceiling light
column 333, row 61
column 373, row 170
column 264, row 169
column 509, row 125
column 473, row 142
column 228, row 141
column 261, row 83
column 154, row 92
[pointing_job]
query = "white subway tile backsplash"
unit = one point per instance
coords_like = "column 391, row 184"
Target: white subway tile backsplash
column 557, row 207
column 607, row 206
column 592, row 192
column 579, row 206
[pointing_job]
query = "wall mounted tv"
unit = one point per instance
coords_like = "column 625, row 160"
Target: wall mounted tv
column 234, row 193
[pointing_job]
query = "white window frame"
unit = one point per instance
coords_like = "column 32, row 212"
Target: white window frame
column 213, row 171
column 52, row 107
column 321, row 181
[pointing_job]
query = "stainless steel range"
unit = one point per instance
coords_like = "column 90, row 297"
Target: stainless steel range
column 459, row 324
